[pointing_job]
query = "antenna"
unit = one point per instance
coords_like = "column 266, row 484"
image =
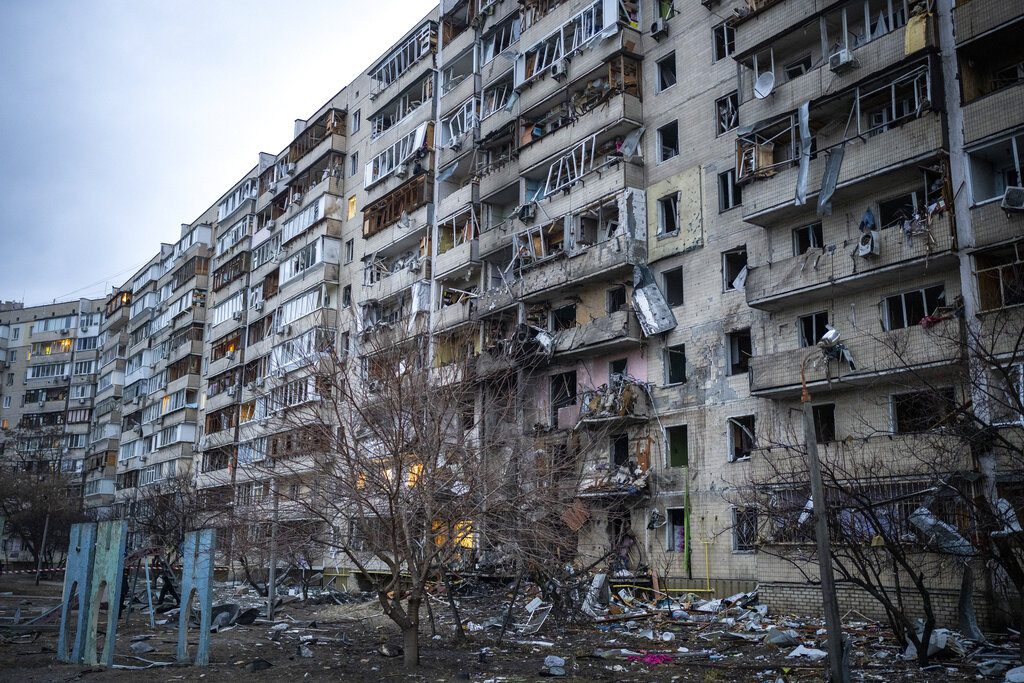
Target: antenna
column 764, row 85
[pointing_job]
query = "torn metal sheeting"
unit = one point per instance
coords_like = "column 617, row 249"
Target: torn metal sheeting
column 652, row 310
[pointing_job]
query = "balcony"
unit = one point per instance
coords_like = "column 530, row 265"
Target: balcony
column 837, row 270
column 457, row 93
column 987, row 115
column 613, row 118
column 607, row 179
column 992, row 225
column 977, row 17
column 913, row 349
column 389, row 286
column 1000, row 333
column 773, row 17
column 617, row 331
column 452, row 316
column 460, row 198
column 605, row 260
column 614, row 405
column 768, row 201
column 498, row 179
column 463, row 255
column 399, row 236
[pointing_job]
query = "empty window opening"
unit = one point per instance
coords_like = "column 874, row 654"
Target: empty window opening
column 619, row 447
column 668, row 141
column 563, row 393
column 727, row 110
column 563, row 318
column 922, row 411
column 909, row 308
column 807, row 237
column 675, row 364
column 734, row 268
column 798, row 67
column 616, row 299
column 1001, row 276
column 740, row 350
column 677, row 445
column 617, row 369
column 673, row 280
column 668, row 214
column 895, row 211
column 724, row 40
column 666, row 71
column 730, row 195
column 741, row 437
column 811, row 328
column 824, row 422
column 996, row 168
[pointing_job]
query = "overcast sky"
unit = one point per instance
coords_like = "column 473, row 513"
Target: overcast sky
column 123, row 119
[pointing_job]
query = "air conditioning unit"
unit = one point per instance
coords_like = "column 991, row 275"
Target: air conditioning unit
column 659, row 29
column 237, row 315
column 85, row 328
column 559, row 70
column 527, row 212
column 1013, row 200
column 230, row 355
column 65, row 331
column 258, row 306
column 401, row 170
column 260, row 381
column 271, row 224
column 842, row 61
column 81, row 401
column 869, row 245
column 291, row 168
column 296, row 198
column 231, row 391
column 42, row 403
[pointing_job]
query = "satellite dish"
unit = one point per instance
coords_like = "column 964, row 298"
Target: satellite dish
column 764, row 85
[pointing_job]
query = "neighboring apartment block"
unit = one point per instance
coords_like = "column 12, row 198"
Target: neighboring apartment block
column 652, row 212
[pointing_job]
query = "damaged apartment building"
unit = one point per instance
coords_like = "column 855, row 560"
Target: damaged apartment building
column 662, row 217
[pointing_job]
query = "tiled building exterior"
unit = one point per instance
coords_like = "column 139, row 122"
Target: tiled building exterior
column 654, row 208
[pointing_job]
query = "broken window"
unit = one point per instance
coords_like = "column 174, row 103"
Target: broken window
column 457, row 230
column 595, row 223
column 353, row 160
column 668, row 141
column 992, row 63
column 1005, row 393
column 995, row 168
column 675, row 530
column 811, row 328
column 499, row 38
column 673, row 280
column 741, row 437
column 740, row 350
column 744, row 529
column 458, row 123
column 396, row 206
column 909, row 308
column 824, row 422
column 675, row 364
column 617, row 369
column 573, row 35
column 1001, row 276
column 563, row 318
column 894, row 100
column 569, row 168
column 677, row 445
column 727, row 113
column 619, row 448
column 798, row 67
column 734, row 268
column 563, row 393
column 666, row 67
column 668, row 214
column 456, row 70
column 496, row 98
column 402, row 105
column 807, row 237
column 730, row 195
column 616, row 299
column 724, row 36
column 899, row 209
column 922, row 411
column 404, row 57
column 394, row 159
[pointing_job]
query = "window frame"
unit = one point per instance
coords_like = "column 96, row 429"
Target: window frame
column 661, row 157
column 678, row 349
column 730, row 194
column 671, row 198
column 751, row 545
column 734, row 97
column 728, row 41
column 665, row 282
column 659, row 65
column 733, row 423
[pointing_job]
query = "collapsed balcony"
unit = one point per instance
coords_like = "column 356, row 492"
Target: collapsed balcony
column 623, row 401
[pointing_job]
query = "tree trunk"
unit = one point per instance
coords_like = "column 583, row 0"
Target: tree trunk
column 411, row 643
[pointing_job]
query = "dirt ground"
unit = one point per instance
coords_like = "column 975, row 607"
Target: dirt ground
column 347, row 642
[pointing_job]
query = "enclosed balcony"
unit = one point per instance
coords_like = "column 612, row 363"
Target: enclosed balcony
column 915, row 349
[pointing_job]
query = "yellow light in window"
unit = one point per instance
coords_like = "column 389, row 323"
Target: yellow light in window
column 414, row 474
column 351, row 207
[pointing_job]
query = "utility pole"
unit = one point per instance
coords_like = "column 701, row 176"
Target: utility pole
column 829, row 601
column 272, row 569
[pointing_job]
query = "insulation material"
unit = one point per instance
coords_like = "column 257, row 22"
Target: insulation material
column 934, row 530
column 915, row 35
column 649, row 303
column 420, row 301
column 829, row 180
column 805, row 153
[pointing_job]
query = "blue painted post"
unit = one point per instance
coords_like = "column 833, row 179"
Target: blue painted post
column 77, row 581
column 108, row 570
column 196, row 576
